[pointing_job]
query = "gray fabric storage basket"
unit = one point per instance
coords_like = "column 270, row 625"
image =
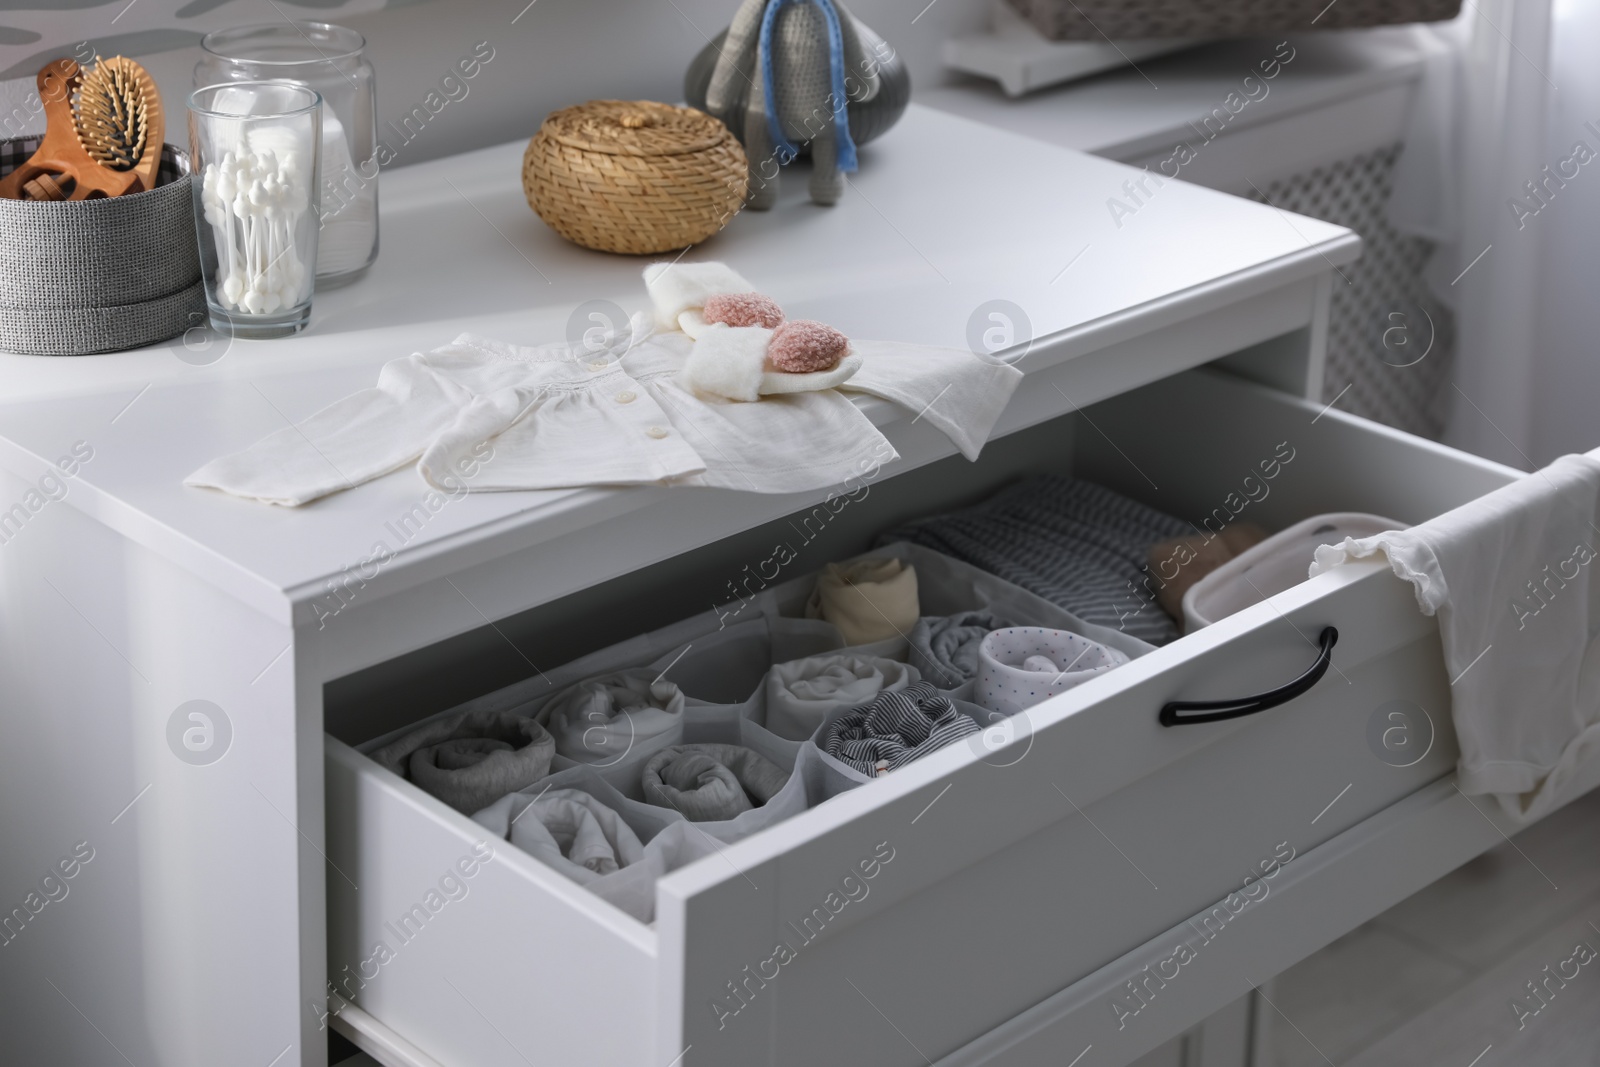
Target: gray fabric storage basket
column 1098, row 20
column 87, row 276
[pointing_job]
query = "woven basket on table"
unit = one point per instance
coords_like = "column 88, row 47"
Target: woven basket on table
column 1096, row 20
column 634, row 176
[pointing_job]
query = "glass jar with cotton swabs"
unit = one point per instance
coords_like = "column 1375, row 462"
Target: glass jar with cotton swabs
column 331, row 60
column 256, row 149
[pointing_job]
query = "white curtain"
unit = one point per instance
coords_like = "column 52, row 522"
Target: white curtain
column 1481, row 132
column 1566, row 383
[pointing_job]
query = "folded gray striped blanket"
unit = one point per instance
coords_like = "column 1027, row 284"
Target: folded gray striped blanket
column 1074, row 543
column 896, row 728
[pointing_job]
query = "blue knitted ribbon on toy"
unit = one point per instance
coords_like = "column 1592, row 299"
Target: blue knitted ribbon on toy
column 781, row 144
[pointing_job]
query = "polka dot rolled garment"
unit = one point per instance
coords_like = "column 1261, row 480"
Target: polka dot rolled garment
column 1022, row 665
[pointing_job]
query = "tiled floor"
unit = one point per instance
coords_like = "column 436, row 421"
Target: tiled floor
column 1432, row 979
column 1495, row 1019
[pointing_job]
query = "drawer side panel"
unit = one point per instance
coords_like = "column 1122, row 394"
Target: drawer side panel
column 478, row 962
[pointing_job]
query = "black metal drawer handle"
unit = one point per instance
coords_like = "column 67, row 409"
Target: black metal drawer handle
column 1173, row 714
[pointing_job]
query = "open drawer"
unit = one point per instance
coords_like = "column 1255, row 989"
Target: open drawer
column 1089, row 887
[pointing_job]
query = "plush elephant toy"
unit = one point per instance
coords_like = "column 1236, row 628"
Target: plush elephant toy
column 797, row 75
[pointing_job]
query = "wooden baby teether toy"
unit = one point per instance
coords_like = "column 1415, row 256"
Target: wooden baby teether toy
column 121, row 125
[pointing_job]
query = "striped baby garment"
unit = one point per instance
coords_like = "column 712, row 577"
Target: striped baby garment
column 899, row 726
column 1074, row 543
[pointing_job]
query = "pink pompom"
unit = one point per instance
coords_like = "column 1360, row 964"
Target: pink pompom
column 743, row 309
column 803, row 346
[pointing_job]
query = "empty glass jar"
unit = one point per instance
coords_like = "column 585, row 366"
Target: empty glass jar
column 332, row 61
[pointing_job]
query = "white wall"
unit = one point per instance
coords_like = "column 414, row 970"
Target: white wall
column 558, row 52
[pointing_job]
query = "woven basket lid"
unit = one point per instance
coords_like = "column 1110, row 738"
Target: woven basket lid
column 635, row 128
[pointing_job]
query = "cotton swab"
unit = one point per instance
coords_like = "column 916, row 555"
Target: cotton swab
column 255, row 199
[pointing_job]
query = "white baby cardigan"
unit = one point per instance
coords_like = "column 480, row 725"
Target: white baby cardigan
column 1511, row 577
column 555, row 416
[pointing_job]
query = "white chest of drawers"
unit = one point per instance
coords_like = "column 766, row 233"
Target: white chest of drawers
column 1003, row 930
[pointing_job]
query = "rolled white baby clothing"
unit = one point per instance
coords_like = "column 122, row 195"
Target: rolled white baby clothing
column 1021, row 666
column 800, row 694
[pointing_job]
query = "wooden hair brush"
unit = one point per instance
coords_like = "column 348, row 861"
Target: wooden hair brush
column 119, row 118
column 108, row 145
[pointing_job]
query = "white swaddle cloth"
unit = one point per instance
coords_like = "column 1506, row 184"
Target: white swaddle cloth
column 801, row 693
column 1023, row 665
column 1511, row 577
column 602, row 720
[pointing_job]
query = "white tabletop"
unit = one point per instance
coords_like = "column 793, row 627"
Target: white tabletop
column 1140, row 109
column 944, row 215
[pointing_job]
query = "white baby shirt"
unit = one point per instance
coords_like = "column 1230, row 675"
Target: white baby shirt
column 505, row 417
column 556, row 418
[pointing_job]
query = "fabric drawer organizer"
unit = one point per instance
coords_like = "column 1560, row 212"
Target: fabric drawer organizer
column 721, row 662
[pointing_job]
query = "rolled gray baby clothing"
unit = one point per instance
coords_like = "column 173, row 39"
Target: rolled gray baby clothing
column 711, row 783
column 567, row 829
column 944, row 648
column 472, row 758
column 896, row 728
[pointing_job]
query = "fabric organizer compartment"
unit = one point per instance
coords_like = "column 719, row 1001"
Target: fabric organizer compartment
column 718, row 669
column 469, row 758
column 768, row 627
column 729, row 665
column 694, row 638
column 1079, row 544
column 615, row 848
column 1022, row 666
column 948, row 586
column 615, row 722
column 841, row 776
column 810, row 781
column 798, row 695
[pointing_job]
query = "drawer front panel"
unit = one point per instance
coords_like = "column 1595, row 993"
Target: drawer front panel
column 1014, row 873
column 1159, row 988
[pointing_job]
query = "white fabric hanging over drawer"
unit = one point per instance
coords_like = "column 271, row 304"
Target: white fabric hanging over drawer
column 1512, row 578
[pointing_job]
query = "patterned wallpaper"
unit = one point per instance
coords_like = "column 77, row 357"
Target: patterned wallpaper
column 546, row 54
column 33, row 32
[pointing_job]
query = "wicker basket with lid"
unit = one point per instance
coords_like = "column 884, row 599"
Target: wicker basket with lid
column 634, row 176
